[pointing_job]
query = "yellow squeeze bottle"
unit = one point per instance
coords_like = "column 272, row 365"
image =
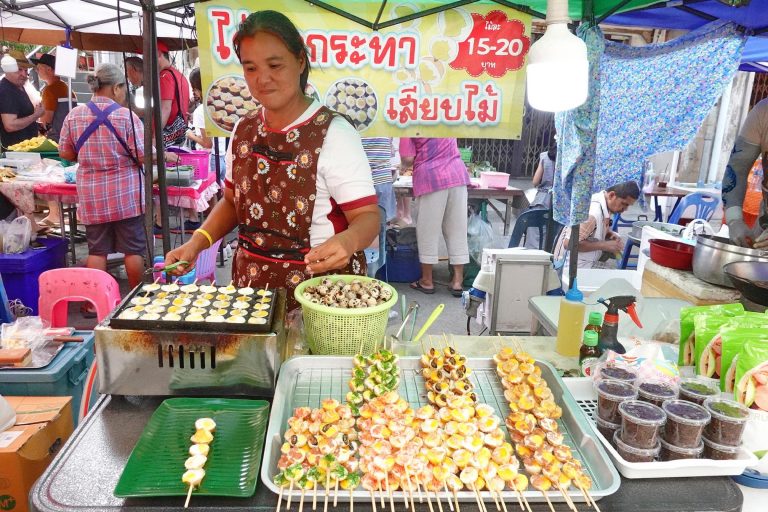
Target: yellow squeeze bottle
column 570, row 324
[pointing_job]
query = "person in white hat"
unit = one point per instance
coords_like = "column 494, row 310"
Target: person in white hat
column 18, row 116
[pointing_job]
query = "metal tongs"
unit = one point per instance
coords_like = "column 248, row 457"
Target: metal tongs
column 166, row 268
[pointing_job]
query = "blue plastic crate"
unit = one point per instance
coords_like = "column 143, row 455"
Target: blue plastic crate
column 64, row 376
column 402, row 265
column 21, row 272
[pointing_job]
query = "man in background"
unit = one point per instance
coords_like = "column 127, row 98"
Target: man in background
column 134, row 69
column 18, row 116
column 595, row 234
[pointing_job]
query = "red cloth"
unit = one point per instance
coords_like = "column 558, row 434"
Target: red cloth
column 167, row 86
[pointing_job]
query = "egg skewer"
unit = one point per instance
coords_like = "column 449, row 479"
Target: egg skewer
column 194, row 474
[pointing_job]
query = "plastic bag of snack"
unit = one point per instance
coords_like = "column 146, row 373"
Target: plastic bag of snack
column 687, row 333
column 644, row 362
column 752, row 375
column 733, row 340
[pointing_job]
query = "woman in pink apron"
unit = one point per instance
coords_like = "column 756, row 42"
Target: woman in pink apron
column 298, row 183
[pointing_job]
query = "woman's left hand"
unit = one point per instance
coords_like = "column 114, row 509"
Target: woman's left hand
column 171, row 158
column 332, row 254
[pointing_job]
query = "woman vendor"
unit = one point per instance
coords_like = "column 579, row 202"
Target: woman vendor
column 298, row 183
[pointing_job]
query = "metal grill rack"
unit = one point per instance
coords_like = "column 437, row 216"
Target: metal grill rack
column 306, row 381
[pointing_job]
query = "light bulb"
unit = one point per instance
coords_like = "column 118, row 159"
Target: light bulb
column 557, row 71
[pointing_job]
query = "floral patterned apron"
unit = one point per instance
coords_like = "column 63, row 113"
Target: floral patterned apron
column 274, row 175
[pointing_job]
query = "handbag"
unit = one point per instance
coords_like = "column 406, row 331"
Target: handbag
column 175, row 133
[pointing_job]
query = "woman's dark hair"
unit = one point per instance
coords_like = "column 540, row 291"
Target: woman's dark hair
column 280, row 26
column 552, row 152
column 194, row 79
column 625, row 190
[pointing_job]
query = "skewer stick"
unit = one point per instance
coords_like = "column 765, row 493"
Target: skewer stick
column 327, row 488
column 439, row 504
column 568, row 500
column 301, row 502
column 381, row 495
column 189, row 495
column 589, row 498
column 501, row 499
column 290, row 495
column 448, row 496
column 373, row 501
column 418, row 490
column 477, row 498
column 279, row 498
column 405, row 494
column 551, row 508
column 391, row 498
column 429, row 500
column 527, row 505
column 518, row 495
column 335, row 493
column 314, row 497
column 495, row 499
column 410, row 490
column 456, row 501
column 351, row 501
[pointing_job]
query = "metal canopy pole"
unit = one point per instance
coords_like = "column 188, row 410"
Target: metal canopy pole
column 573, row 247
column 148, row 65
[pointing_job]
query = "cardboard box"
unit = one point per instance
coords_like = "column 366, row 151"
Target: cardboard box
column 43, row 425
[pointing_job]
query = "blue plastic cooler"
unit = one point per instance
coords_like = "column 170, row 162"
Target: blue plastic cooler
column 64, row 376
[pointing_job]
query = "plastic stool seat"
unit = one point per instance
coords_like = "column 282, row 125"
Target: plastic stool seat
column 205, row 268
column 705, row 205
column 627, row 255
column 60, row 286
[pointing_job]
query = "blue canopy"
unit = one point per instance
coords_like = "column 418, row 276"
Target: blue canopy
column 691, row 14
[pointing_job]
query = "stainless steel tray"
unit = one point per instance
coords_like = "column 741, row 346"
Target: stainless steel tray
column 306, row 380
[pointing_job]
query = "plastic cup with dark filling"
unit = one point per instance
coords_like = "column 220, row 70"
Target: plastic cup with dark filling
column 606, row 428
column 618, row 373
column 697, row 390
column 728, row 421
column 632, row 454
column 685, row 423
column 610, row 393
column 716, row 451
column 672, row 452
column 640, row 422
column 656, row 392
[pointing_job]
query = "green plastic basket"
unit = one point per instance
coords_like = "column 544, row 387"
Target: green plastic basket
column 337, row 331
column 466, row 155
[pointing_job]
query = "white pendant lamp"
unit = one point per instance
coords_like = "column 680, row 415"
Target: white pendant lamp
column 558, row 68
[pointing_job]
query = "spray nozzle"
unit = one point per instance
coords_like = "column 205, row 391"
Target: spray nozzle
column 624, row 303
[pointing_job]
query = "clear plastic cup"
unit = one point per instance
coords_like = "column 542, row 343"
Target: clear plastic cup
column 685, row 423
column 610, row 393
column 632, row 454
column 728, row 421
column 697, row 390
column 640, row 422
column 672, row 452
column 656, row 392
column 617, row 373
column 606, row 428
column 716, row 451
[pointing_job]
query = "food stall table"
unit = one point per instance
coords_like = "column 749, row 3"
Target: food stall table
column 66, row 195
column 85, row 472
column 651, row 310
column 656, row 192
column 511, row 197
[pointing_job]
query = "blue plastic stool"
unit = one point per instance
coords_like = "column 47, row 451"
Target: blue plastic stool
column 627, row 255
column 705, row 205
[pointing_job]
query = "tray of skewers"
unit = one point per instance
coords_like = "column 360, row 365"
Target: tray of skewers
column 154, row 306
column 197, row 446
column 441, row 428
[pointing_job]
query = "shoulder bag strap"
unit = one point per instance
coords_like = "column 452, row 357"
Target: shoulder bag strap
column 176, row 94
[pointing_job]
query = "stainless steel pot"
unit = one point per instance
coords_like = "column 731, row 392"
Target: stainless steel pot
column 666, row 227
column 712, row 252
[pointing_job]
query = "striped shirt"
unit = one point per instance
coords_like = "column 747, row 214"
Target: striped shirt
column 379, row 151
column 437, row 164
column 109, row 185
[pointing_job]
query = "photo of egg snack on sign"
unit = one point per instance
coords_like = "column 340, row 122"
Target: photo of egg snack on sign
column 355, row 99
column 228, row 100
column 447, row 29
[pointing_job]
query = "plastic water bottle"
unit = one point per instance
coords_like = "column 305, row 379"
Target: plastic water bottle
column 570, row 323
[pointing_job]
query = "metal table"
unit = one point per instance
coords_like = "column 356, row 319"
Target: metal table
column 85, row 472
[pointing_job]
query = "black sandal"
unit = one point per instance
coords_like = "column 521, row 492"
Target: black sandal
column 417, row 286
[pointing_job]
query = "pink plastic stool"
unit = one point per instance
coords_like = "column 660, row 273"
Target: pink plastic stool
column 60, row 286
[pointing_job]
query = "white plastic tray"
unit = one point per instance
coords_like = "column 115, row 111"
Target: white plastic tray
column 585, row 395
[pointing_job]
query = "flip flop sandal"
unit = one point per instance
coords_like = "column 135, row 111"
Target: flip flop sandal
column 417, row 286
column 456, row 292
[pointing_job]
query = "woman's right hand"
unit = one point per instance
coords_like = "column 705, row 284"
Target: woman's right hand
column 186, row 252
